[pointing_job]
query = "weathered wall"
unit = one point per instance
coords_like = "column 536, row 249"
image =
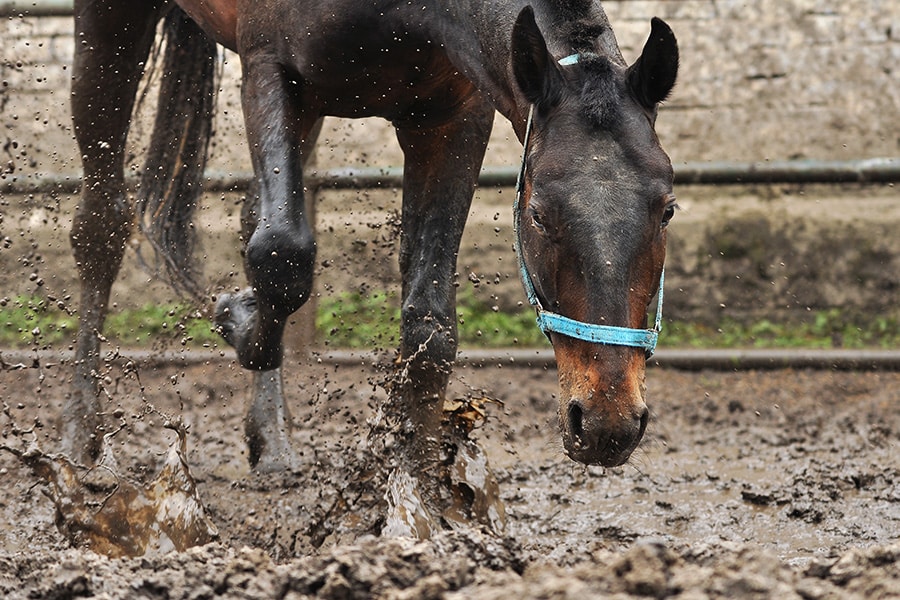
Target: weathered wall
column 772, row 79
column 769, row 79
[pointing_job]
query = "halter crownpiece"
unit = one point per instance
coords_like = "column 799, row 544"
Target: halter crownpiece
column 549, row 321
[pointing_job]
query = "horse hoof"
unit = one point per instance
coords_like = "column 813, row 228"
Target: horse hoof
column 235, row 315
column 407, row 514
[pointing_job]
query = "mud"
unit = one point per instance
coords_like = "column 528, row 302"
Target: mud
column 748, row 485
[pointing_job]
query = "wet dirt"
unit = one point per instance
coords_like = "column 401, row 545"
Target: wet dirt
column 748, row 485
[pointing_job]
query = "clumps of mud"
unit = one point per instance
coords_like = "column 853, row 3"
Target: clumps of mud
column 101, row 509
column 454, row 565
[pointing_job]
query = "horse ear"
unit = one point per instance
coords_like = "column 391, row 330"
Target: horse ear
column 652, row 76
column 535, row 70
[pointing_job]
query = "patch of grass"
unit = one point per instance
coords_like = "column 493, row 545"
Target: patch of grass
column 33, row 320
column 353, row 320
column 484, row 325
column 153, row 322
column 24, row 320
column 824, row 329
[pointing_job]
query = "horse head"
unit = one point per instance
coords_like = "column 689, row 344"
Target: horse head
column 596, row 198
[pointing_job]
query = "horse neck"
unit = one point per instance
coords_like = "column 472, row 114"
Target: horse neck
column 477, row 38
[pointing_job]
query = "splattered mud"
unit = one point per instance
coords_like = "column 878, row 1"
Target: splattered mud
column 748, row 485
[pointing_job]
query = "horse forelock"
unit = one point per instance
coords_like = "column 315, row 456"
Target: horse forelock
column 601, row 91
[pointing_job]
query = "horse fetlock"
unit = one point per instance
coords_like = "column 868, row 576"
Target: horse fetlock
column 428, row 341
column 256, row 340
column 81, row 425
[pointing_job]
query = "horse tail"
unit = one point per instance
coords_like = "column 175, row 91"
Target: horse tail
column 171, row 183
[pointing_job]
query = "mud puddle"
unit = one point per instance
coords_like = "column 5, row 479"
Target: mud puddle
column 759, row 484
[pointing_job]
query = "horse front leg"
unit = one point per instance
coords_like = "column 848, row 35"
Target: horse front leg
column 440, row 173
column 114, row 39
column 279, row 255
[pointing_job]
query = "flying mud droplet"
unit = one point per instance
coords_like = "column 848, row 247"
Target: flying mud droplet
column 100, row 509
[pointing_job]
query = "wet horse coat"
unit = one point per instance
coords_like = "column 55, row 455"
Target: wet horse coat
column 597, row 195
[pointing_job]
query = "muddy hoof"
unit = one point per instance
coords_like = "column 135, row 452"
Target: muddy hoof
column 267, row 426
column 281, row 462
column 236, row 316
column 475, row 491
column 271, row 451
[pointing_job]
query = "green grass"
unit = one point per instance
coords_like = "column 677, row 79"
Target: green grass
column 25, row 321
column 353, row 320
column 824, row 329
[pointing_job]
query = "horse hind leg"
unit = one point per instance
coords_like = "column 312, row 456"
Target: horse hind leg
column 107, row 69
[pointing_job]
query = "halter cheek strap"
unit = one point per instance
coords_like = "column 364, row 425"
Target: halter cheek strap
column 549, row 321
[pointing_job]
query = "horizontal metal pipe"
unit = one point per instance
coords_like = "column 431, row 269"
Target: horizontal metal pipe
column 36, row 8
column 687, row 360
column 872, row 170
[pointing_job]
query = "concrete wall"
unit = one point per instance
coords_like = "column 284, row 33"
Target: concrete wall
column 767, row 79
column 773, row 79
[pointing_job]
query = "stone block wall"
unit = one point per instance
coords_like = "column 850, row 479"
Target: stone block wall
column 777, row 79
column 768, row 79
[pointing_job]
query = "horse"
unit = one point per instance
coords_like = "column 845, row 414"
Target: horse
column 595, row 194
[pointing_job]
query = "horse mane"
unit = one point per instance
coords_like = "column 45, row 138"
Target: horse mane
column 171, row 183
column 580, row 23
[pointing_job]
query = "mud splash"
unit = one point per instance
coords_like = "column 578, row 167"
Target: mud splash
column 100, row 509
column 776, row 484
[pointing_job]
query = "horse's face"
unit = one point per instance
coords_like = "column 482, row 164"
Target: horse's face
column 598, row 197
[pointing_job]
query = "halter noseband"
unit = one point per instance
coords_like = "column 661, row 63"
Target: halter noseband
column 549, row 321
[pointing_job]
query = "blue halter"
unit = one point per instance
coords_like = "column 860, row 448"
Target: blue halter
column 549, row 321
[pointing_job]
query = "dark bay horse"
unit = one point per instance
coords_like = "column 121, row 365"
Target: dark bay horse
column 595, row 199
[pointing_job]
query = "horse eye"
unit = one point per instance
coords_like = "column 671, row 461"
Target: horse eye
column 668, row 214
column 536, row 221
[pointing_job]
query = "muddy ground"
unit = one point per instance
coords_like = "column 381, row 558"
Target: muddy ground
column 748, row 485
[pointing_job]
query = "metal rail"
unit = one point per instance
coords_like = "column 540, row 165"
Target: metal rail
column 871, row 170
column 36, row 8
column 688, row 360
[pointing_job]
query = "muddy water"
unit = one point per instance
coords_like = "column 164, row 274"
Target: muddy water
column 758, row 484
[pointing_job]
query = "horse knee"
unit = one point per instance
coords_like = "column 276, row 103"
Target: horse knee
column 429, row 341
column 280, row 265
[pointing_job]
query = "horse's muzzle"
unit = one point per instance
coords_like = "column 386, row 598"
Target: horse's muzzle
column 599, row 437
column 602, row 413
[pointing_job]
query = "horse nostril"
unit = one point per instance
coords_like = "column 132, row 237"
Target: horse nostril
column 645, row 418
column 576, row 421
